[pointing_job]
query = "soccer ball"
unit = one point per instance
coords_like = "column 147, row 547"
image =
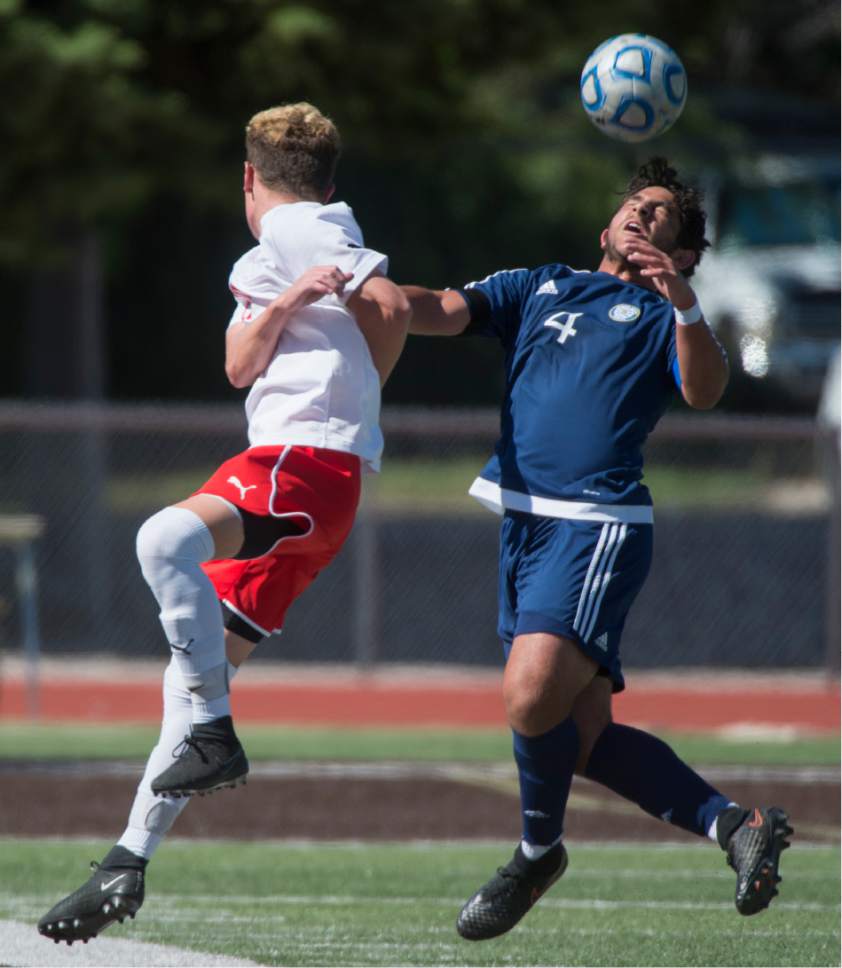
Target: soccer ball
column 633, row 87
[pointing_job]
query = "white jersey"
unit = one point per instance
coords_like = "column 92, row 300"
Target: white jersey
column 321, row 388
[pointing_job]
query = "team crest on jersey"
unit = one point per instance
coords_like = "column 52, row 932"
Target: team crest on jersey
column 547, row 289
column 624, row 313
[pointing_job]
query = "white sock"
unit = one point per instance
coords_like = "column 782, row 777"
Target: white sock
column 151, row 817
column 712, row 829
column 171, row 545
column 534, row 851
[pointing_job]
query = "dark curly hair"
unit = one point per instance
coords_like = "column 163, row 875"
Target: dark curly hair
column 658, row 172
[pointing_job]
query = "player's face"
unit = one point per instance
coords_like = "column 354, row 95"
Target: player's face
column 650, row 214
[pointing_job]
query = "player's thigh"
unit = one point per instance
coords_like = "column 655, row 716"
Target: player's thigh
column 259, row 591
column 572, row 579
column 223, row 522
column 237, row 648
column 303, row 498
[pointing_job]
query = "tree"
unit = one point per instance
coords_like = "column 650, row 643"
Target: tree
column 466, row 148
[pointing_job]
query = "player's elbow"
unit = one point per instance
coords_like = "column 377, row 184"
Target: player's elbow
column 397, row 311
column 380, row 303
column 703, row 386
column 701, row 401
column 704, row 396
column 238, row 375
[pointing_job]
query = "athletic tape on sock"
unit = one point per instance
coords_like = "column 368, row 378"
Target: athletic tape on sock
column 208, row 684
column 152, row 817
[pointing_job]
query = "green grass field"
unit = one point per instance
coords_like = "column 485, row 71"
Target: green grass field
column 332, row 904
column 119, row 741
column 313, row 904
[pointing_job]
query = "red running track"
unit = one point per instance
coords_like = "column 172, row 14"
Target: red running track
column 813, row 707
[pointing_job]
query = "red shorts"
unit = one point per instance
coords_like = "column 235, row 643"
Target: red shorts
column 318, row 489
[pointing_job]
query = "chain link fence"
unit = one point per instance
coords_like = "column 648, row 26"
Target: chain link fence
column 746, row 570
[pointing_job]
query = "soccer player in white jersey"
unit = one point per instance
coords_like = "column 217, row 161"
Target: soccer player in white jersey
column 316, row 329
column 592, row 360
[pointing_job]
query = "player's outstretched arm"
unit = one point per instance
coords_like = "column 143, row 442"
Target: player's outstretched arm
column 250, row 346
column 701, row 359
column 436, row 312
column 383, row 313
column 703, row 365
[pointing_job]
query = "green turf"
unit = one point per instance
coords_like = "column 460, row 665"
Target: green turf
column 116, row 741
column 391, row 904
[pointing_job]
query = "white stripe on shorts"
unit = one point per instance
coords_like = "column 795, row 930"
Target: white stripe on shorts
column 606, row 578
column 583, row 598
column 596, row 581
column 274, row 479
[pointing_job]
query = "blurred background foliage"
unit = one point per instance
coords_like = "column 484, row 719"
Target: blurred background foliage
column 466, row 151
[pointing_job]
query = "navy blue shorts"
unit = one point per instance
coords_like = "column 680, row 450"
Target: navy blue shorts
column 572, row 578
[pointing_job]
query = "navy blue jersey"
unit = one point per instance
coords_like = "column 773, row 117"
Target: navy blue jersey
column 590, row 368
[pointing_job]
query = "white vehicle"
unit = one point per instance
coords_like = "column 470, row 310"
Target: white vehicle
column 769, row 285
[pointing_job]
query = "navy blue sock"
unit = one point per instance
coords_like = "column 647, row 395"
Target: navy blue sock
column 643, row 769
column 545, row 767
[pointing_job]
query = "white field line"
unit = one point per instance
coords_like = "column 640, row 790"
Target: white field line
column 163, row 908
column 435, row 940
column 428, row 947
column 576, row 904
column 703, row 679
column 21, row 947
column 433, row 951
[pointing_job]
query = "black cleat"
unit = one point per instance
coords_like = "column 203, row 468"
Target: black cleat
column 753, row 850
column 208, row 759
column 110, row 894
column 498, row 905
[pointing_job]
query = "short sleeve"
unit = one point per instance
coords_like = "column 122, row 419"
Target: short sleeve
column 505, row 292
column 242, row 313
column 673, row 368
column 316, row 235
column 253, row 286
column 341, row 240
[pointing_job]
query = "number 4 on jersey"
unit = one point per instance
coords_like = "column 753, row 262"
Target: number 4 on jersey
column 564, row 323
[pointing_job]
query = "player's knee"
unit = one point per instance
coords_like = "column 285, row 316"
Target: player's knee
column 529, row 710
column 535, row 697
column 174, row 533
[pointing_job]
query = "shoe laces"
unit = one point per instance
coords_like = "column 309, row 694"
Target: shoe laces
column 187, row 743
column 510, row 877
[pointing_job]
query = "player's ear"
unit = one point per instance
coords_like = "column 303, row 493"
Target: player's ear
column 603, row 239
column 248, row 177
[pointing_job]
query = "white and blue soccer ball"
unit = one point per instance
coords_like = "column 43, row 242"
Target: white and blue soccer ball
column 633, row 87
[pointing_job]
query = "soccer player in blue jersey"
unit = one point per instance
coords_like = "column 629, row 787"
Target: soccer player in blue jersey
column 592, row 360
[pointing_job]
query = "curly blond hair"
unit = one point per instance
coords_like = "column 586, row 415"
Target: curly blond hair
column 294, row 149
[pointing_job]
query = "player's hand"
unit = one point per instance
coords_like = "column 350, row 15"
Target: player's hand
column 656, row 265
column 313, row 284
